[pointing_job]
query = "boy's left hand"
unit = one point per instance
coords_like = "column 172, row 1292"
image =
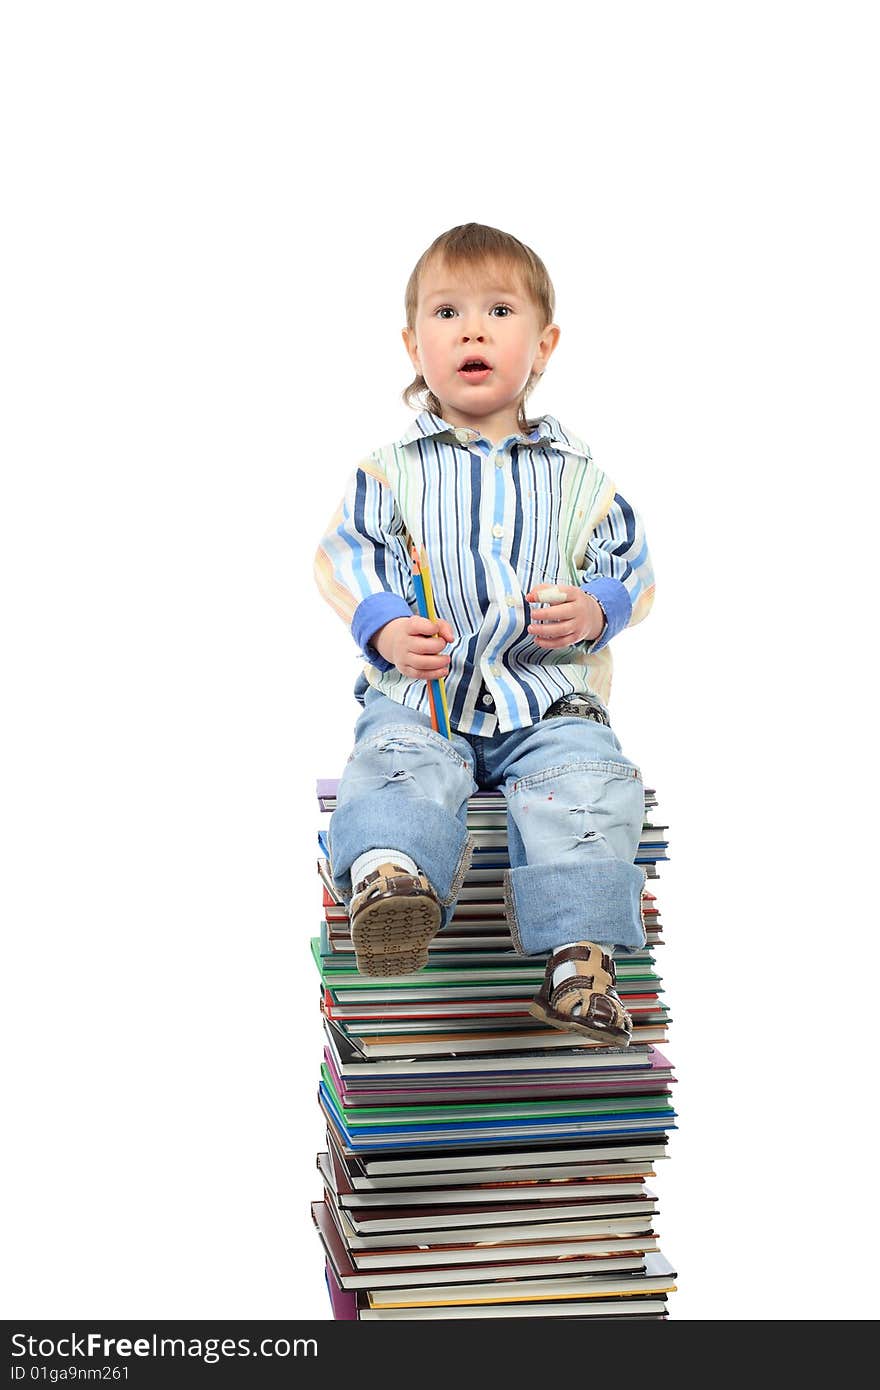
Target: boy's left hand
column 578, row 619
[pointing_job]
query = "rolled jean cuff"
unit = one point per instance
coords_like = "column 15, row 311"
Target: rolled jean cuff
column 549, row 905
column 436, row 840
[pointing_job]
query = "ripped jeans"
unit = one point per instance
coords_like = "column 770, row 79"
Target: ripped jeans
column 575, row 807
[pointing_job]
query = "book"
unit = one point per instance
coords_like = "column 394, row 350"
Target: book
column 390, row 1168
column 351, row 1061
column 479, row 1253
column 473, row 1014
column 429, row 1277
column 505, row 1086
column 606, row 1227
column 344, row 1305
column 521, row 1189
column 497, row 1215
column 457, row 1044
column 657, row 1276
column 353, row 1173
column 630, row 1308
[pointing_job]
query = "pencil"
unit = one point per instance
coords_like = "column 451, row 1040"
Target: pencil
column 432, row 614
column 433, row 692
column 436, row 692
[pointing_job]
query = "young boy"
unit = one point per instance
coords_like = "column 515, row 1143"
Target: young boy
column 505, row 507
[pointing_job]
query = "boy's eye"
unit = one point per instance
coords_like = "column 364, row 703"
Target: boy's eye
column 446, row 309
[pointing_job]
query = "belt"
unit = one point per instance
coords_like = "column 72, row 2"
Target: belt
column 580, row 705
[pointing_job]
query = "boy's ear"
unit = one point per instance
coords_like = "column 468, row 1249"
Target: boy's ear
column 546, row 346
column 409, row 342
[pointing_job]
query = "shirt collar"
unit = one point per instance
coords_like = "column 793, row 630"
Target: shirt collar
column 426, row 425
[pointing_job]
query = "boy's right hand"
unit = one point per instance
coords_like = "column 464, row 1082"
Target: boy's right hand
column 415, row 646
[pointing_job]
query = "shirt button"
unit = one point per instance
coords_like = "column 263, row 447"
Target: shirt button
column 499, row 463
column 510, row 600
column 497, row 531
column 496, row 668
column 487, row 700
column 462, row 436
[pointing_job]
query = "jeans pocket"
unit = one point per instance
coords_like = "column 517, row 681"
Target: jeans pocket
column 594, row 768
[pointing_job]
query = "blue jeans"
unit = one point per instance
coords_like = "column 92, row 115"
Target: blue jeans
column 575, row 807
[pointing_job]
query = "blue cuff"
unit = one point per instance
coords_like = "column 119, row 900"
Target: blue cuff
column 372, row 613
column 617, row 604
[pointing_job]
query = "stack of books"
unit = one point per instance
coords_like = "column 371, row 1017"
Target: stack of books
column 478, row 1163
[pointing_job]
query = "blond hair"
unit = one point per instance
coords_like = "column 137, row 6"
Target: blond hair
column 472, row 244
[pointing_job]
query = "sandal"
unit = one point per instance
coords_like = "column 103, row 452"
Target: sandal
column 586, row 1001
column 393, row 918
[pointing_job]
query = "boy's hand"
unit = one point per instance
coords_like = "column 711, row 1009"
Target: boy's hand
column 415, row 646
column 578, row 619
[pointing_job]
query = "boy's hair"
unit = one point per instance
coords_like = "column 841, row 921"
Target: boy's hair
column 472, row 244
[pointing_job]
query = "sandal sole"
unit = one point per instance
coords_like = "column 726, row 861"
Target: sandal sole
column 391, row 937
column 568, row 1024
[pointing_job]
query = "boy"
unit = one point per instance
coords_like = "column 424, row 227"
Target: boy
column 504, row 506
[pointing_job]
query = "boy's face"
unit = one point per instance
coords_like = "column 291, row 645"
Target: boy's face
column 478, row 312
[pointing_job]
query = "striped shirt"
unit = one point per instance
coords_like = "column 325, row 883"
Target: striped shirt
column 496, row 520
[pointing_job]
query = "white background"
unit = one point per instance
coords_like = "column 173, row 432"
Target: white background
column 211, row 214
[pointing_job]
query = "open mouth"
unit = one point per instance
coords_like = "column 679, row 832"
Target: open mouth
column 475, row 366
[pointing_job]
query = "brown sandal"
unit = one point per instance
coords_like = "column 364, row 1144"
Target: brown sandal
column 393, row 918
column 585, row 1002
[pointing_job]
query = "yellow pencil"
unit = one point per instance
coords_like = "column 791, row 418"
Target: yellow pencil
column 432, row 614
